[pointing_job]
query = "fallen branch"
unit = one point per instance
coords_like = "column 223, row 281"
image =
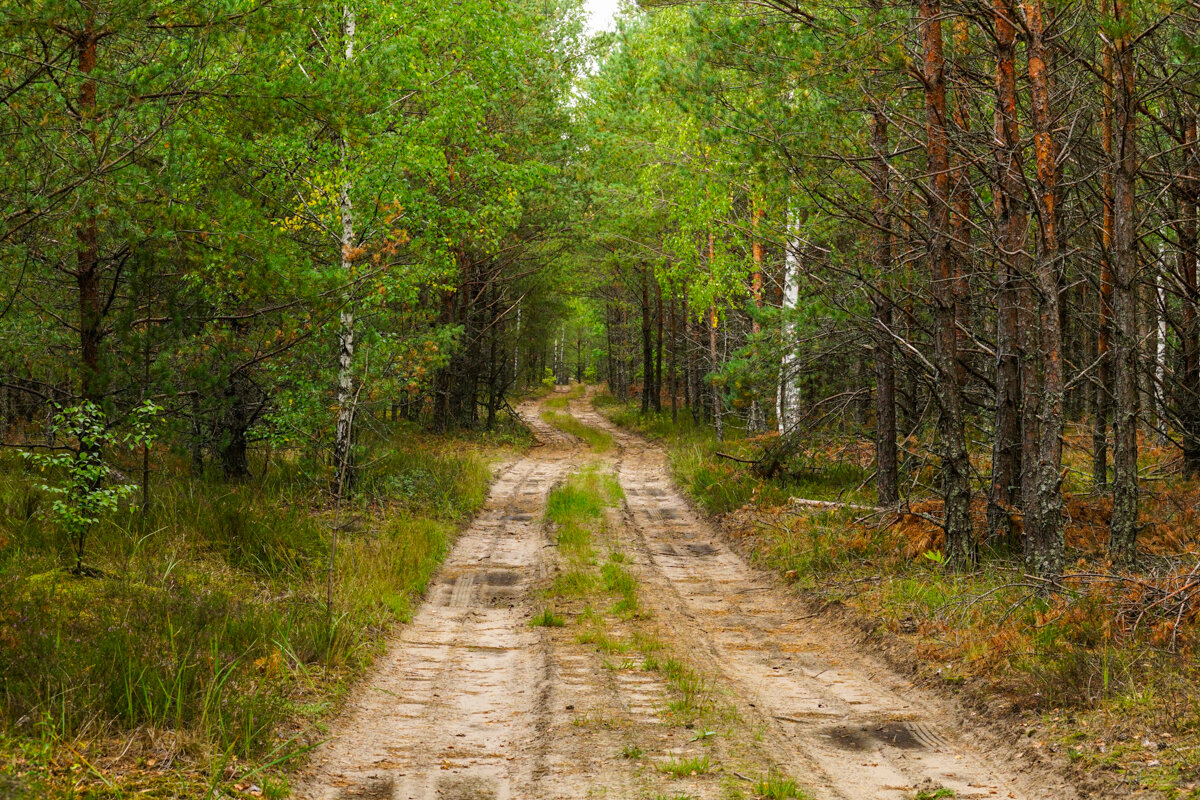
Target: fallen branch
column 833, row 504
column 736, row 458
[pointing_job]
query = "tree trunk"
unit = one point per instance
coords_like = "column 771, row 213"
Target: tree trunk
column 755, row 423
column 1043, row 532
column 718, row 419
column 955, row 467
column 887, row 486
column 960, row 216
column 647, row 345
column 672, row 366
column 87, row 234
column 1189, row 334
column 787, row 413
column 656, row 397
column 1011, row 224
column 343, row 432
column 1123, row 534
column 1102, row 403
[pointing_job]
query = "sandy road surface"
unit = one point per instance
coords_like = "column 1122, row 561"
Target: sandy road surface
column 471, row 702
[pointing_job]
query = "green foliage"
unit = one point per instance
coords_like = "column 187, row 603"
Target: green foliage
column 83, row 493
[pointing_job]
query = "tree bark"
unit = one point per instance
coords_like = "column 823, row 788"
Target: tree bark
column 647, row 344
column 1043, row 530
column 887, row 486
column 1011, row 222
column 1102, row 403
column 1189, row 334
column 755, row 423
column 656, row 398
column 673, row 362
column 718, row 417
column 1124, row 530
column 955, row 467
column 343, row 431
column 787, row 414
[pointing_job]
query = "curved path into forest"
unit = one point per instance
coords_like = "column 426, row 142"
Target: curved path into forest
column 471, row 702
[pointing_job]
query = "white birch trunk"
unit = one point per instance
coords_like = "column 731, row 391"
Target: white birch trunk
column 345, row 375
column 786, row 411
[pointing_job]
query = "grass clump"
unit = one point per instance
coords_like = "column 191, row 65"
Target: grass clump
column 561, row 400
column 583, row 497
column 933, row 794
column 598, row 440
column 546, row 618
column 573, row 583
column 618, row 581
column 684, row 767
column 778, row 787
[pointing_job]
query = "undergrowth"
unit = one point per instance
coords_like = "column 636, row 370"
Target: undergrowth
column 706, row 467
column 204, row 651
column 1103, row 668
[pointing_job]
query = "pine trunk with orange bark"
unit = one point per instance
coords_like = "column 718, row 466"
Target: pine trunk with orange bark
column 960, row 549
column 1011, row 226
column 1043, row 527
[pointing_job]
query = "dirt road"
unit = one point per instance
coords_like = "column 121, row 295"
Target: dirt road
column 472, row 702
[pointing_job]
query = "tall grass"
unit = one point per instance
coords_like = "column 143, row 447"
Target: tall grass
column 208, row 622
column 595, row 438
column 721, row 485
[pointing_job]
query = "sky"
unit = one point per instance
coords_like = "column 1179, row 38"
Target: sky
column 600, row 15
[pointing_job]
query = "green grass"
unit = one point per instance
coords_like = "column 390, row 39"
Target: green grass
column 573, row 583
column 683, row 767
column 561, row 400
column 595, row 438
column 618, row 581
column 935, row 794
column 583, row 497
column 778, row 787
column 207, row 623
column 546, row 618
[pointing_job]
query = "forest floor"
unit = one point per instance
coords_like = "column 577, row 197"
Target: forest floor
column 593, row 635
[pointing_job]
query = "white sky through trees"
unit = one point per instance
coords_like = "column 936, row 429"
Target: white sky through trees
column 600, row 15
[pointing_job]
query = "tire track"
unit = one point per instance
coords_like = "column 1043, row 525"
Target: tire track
column 453, row 708
column 848, row 726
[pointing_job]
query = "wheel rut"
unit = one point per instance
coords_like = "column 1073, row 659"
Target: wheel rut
column 453, row 707
column 845, row 723
column 470, row 702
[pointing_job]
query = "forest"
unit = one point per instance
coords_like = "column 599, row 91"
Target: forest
column 302, row 305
